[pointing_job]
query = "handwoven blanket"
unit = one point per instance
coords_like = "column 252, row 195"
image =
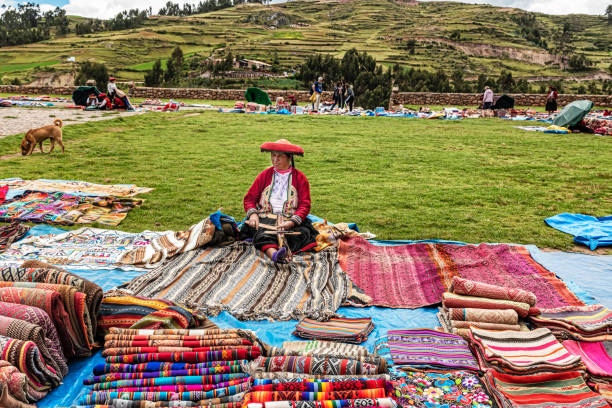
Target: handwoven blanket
column 322, row 347
column 591, row 321
column 313, row 365
column 330, row 353
column 38, row 317
column 124, row 403
column 416, row 275
column 319, row 386
column 234, row 369
column 349, row 330
column 22, row 330
column 207, row 384
column 522, row 351
column 177, row 343
column 247, row 284
column 550, row 390
column 15, row 379
column 430, row 348
column 596, row 356
column 118, row 351
column 76, row 187
column 468, row 287
column 451, row 300
column 289, row 376
column 188, row 357
column 155, row 367
column 605, row 389
column 508, row 316
column 11, row 233
column 265, row 396
column 348, row 403
column 92, row 248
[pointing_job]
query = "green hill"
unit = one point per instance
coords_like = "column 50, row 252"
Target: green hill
column 476, row 38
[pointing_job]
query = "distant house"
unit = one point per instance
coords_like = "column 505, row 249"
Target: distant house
column 251, row 64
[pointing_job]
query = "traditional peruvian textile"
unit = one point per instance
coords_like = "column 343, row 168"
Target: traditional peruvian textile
column 191, row 342
column 206, row 383
column 217, row 370
column 322, row 347
column 317, row 386
column 64, row 209
column 462, row 327
column 22, row 330
column 344, row 329
column 416, row 275
column 348, row 403
column 596, row 356
column 508, row 316
column 451, row 300
column 26, row 357
column 16, row 380
column 468, row 287
column 551, row 390
column 190, row 357
column 120, row 351
column 174, row 243
column 586, row 323
column 83, row 248
column 521, row 352
column 460, row 389
column 124, row 403
column 313, row 365
column 605, row 389
column 265, row 396
column 330, row 353
column 76, row 187
column 11, row 233
column 288, row 376
column 156, row 367
column 425, row 348
column 246, row 283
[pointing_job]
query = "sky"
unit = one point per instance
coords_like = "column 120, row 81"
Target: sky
column 109, row 8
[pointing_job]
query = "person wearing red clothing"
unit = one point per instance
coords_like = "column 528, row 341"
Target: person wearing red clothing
column 277, row 206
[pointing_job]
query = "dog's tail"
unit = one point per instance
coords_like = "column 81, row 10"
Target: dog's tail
column 58, row 122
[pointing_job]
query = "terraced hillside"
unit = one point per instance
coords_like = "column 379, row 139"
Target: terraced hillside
column 477, row 38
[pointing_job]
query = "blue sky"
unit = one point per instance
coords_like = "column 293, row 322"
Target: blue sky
column 109, row 8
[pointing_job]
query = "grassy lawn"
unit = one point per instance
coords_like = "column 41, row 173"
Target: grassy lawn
column 476, row 180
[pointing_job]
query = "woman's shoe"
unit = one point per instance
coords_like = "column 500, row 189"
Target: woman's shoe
column 279, row 256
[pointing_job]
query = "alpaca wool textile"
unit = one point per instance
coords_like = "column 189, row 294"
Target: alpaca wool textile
column 177, row 343
column 349, row 330
column 583, row 323
column 313, row 365
column 520, row 352
column 189, row 357
column 76, row 187
column 605, row 389
column 26, row 357
column 157, row 367
column 596, row 356
column 75, row 306
column 119, row 351
column 507, row 316
column 468, row 287
column 11, row 233
column 22, row 330
column 322, row 347
column 451, row 300
column 462, row 328
column 462, row 389
column 169, row 380
column 330, row 353
column 50, row 302
column 39, row 318
column 284, row 376
column 550, row 390
column 416, row 275
column 247, row 284
column 123, row 403
column 319, row 386
column 15, row 379
column 235, row 369
column 427, row 348
column 265, row 396
column 349, row 403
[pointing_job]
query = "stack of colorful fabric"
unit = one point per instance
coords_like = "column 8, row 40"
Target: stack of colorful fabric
column 521, row 352
column 582, row 323
column 597, row 356
column 554, row 390
column 321, row 347
column 11, row 233
column 341, row 329
column 476, row 304
column 203, row 366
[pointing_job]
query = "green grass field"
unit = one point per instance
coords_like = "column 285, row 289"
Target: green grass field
column 475, row 180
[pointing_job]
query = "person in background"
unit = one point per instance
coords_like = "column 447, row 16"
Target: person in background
column 111, row 88
column 350, row 97
column 337, row 95
column 104, row 102
column 343, row 90
column 487, row 99
column 551, row 100
column 92, row 101
column 317, row 90
column 114, row 92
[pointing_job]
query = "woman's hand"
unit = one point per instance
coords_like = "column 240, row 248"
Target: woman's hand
column 286, row 225
column 253, row 221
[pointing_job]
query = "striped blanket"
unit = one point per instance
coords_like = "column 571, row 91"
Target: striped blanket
column 583, row 323
column 342, row 329
column 322, row 347
column 597, row 357
column 313, row 365
column 244, row 282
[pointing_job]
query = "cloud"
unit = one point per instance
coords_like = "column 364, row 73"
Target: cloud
column 549, row 6
column 108, row 9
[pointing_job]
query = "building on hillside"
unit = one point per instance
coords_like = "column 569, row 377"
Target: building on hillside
column 252, row 64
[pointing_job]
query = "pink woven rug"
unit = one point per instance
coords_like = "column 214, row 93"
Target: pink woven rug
column 416, row 275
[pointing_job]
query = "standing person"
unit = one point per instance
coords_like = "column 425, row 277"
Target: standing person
column 111, row 87
column 487, row 99
column 317, row 90
column 551, row 100
column 337, row 95
column 350, row 97
column 114, row 92
column 343, row 89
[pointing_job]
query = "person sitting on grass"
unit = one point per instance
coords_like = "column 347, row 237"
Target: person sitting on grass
column 277, row 206
column 104, row 102
column 92, row 101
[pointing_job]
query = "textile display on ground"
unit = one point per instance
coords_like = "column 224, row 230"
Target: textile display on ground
column 596, row 356
column 75, row 187
column 15, row 379
column 243, row 281
column 521, row 352
column 341, row 329
column 325, row 347
column 554, row 390
column 416, row 275
column 11, row 233
column 586, row 229
column 91, row 248
column 65, row 209
column 583, row 323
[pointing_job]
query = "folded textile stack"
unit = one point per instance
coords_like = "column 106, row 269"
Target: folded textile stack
column 341, row 329
column 322, row 347
column 554, row 390
column 311, row 393
column 521, row 352
column 124, row 311
column 201, row 366
column 597, row 356
column 476, row 304
column 582, row 323
column 11, row 233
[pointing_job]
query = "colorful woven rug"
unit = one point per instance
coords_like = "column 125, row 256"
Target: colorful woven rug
column 586, row 323
column 597, row 357
column 11, row 233
column 15, row 379
column 343, row 329
column 247, row 284
column 75, row 187
column 416, row 275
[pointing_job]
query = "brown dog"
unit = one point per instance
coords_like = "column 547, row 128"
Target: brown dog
column 37, row 136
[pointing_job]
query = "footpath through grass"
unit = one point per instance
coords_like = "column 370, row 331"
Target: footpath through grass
column 474, row 180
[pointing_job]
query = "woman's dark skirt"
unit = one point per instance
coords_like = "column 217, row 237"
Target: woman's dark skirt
column 262, row 240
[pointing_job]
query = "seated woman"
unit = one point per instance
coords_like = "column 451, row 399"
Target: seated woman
column 104, row 102
column 277, row 206
column 92, row 101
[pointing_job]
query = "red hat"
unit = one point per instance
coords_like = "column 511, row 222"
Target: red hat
column 112, row 78
column 282, row 146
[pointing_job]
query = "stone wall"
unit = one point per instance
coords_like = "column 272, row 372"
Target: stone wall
column 397, row 98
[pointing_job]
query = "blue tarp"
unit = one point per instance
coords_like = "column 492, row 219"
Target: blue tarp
column 587, row 230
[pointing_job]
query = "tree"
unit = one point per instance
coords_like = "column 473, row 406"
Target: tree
column 505, row 82
column 562, row 39
column 609, row 13
column 92, row 70
column 155, row 76
column 592, row 88
column 579, row 62
column 174, row 66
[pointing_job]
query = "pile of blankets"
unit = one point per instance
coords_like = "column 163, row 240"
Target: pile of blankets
column 190, row 367
column 11, row 233
column 342, row 329
column 475, row 304
column 582, row 323
column 47, row 315
column 597, row 356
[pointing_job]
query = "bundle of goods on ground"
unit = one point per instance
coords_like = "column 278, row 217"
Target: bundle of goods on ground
column 198, row 318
